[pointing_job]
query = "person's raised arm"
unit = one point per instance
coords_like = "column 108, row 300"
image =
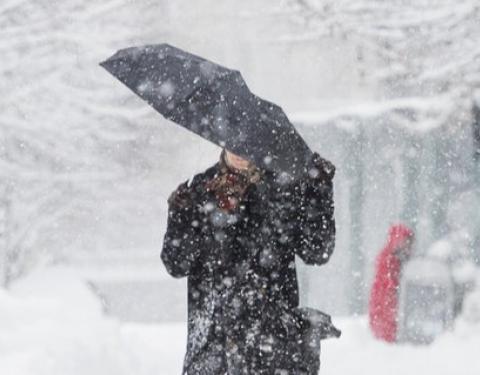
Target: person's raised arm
column 315, row 232
column 181, row 245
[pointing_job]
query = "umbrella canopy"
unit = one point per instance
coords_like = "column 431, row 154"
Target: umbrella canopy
column 213, row 102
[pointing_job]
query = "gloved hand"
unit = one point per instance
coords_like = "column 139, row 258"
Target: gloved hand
column 183, row 197
column 319, row 169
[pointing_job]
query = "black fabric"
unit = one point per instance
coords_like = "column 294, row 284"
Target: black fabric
column 213, row 102
column 240, row 264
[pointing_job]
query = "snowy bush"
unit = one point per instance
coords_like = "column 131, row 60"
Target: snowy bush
column 52, row 324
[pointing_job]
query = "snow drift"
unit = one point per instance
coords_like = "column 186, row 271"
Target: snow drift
column 51, row 323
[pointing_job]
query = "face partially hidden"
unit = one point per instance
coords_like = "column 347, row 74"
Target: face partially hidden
column 236, row 161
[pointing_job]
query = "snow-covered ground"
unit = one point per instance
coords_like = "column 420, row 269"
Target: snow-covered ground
column 52, row 324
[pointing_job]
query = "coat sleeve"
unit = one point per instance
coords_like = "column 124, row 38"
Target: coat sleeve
column 181, row 245
column 315, row 237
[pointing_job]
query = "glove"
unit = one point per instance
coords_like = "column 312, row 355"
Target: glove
column 183, row 197
column 320, row 169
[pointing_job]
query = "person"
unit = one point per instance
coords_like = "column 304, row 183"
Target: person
column 234, row 231
column 384, row 296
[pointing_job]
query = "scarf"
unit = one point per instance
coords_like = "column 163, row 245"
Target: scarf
column 230, row 184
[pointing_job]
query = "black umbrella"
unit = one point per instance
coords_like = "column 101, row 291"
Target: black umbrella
column 213, row 102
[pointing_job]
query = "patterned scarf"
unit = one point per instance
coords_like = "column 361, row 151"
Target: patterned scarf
column 230, row 184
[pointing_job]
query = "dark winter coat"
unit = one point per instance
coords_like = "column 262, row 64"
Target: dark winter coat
column 240, row 264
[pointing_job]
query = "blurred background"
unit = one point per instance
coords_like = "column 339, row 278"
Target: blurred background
column 388, row 91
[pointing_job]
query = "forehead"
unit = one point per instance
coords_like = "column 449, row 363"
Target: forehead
column 233, row 155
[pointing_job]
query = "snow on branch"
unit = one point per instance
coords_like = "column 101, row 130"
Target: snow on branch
column 430, row 45
column 63, row 122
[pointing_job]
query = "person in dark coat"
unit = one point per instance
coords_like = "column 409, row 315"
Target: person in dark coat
column 383, row 304
column 234, row 231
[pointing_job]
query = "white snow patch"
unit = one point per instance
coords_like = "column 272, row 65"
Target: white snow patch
column 52, row 324
column 348, row 117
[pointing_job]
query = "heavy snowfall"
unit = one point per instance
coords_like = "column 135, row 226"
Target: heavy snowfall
column 389, row 92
